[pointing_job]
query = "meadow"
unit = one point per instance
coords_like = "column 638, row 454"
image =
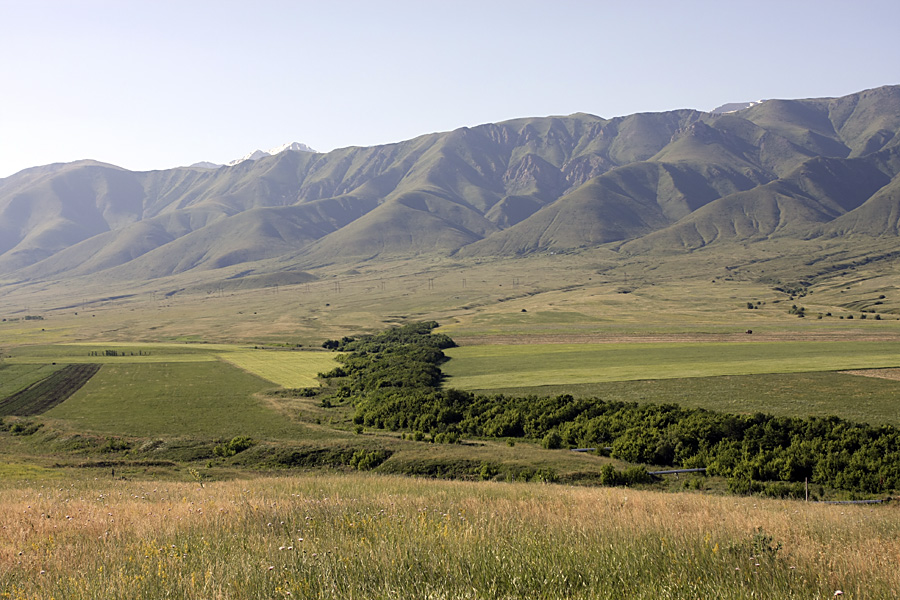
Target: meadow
column 856, row 398
column 366, row 536
column 497, row 366
column 191, row 372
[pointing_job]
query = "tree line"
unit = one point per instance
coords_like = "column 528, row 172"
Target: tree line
column 394, row 380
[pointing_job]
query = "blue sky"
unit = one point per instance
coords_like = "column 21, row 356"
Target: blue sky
column 160, row 83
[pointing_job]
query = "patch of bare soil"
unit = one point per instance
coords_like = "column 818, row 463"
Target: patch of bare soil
column 877, row 373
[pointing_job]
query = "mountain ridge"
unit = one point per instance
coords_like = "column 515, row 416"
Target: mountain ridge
column 674, row 181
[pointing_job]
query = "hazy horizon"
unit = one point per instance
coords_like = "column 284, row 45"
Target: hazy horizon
column 155, row 85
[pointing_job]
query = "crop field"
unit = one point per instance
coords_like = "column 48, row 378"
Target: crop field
column 203, row 399
column 289, row 369
column 17, row 377
column 102, row 353
column 852, row 397
column 47, row 393
column 508, row 366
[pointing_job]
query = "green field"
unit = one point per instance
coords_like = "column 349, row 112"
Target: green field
column 207, row 400
column 127, row 353
column 862, row 399
column 521, row 365
column 17, row 377
column 287, row 369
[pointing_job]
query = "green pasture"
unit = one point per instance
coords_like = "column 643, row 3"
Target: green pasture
column 507, row 366
column 862, row 399
column 199, row 399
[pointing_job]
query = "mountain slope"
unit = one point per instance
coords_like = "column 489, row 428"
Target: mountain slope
column 676, row 180
column 818, row 192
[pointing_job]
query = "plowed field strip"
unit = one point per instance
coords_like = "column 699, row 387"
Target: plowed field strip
column 47, row 393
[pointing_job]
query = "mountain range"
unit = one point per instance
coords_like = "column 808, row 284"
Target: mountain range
column 673, row 181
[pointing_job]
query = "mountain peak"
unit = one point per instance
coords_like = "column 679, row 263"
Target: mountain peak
column 734, row 107
column 256, row 155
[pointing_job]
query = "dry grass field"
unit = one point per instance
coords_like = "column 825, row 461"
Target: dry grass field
column 385, row 537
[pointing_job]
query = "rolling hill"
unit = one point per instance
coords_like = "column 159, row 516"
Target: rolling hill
column 674, row 181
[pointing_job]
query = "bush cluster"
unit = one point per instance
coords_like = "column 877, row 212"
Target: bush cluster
column 234, row 446
column 394, row 381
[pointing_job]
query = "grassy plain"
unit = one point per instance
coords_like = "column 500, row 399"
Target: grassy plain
column 365, row 536
column 496, row 366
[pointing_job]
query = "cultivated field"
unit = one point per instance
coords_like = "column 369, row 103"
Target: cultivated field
column 853, row 397
column 287, row 369
column 496, row 366
column 15, row 378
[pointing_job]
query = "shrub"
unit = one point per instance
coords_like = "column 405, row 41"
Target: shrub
column 235, row 446
column 552, row 441
column 365, row 461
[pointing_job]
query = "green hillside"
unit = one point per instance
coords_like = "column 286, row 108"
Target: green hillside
column 680, row 180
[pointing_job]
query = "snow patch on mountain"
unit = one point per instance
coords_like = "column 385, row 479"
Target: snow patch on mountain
column 256, row 155
column 734, row 107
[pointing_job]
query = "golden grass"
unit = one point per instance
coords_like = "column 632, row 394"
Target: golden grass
column 287, row 369
column 382, row 537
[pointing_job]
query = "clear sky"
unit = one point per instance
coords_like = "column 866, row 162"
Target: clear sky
column 153, row 84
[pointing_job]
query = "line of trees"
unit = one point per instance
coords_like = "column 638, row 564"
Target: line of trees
column 394, row 377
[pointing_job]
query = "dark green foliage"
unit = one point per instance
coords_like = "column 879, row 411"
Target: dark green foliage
column 405, row 357
column 366, row 460
column 757, row 546
column 797, row 310
column 632, row 475
column 552, row 441
column 115, row 445
column 397, row 388
column 314, row 457
column 20, row 427
column 307, row 392
column 235, row 446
